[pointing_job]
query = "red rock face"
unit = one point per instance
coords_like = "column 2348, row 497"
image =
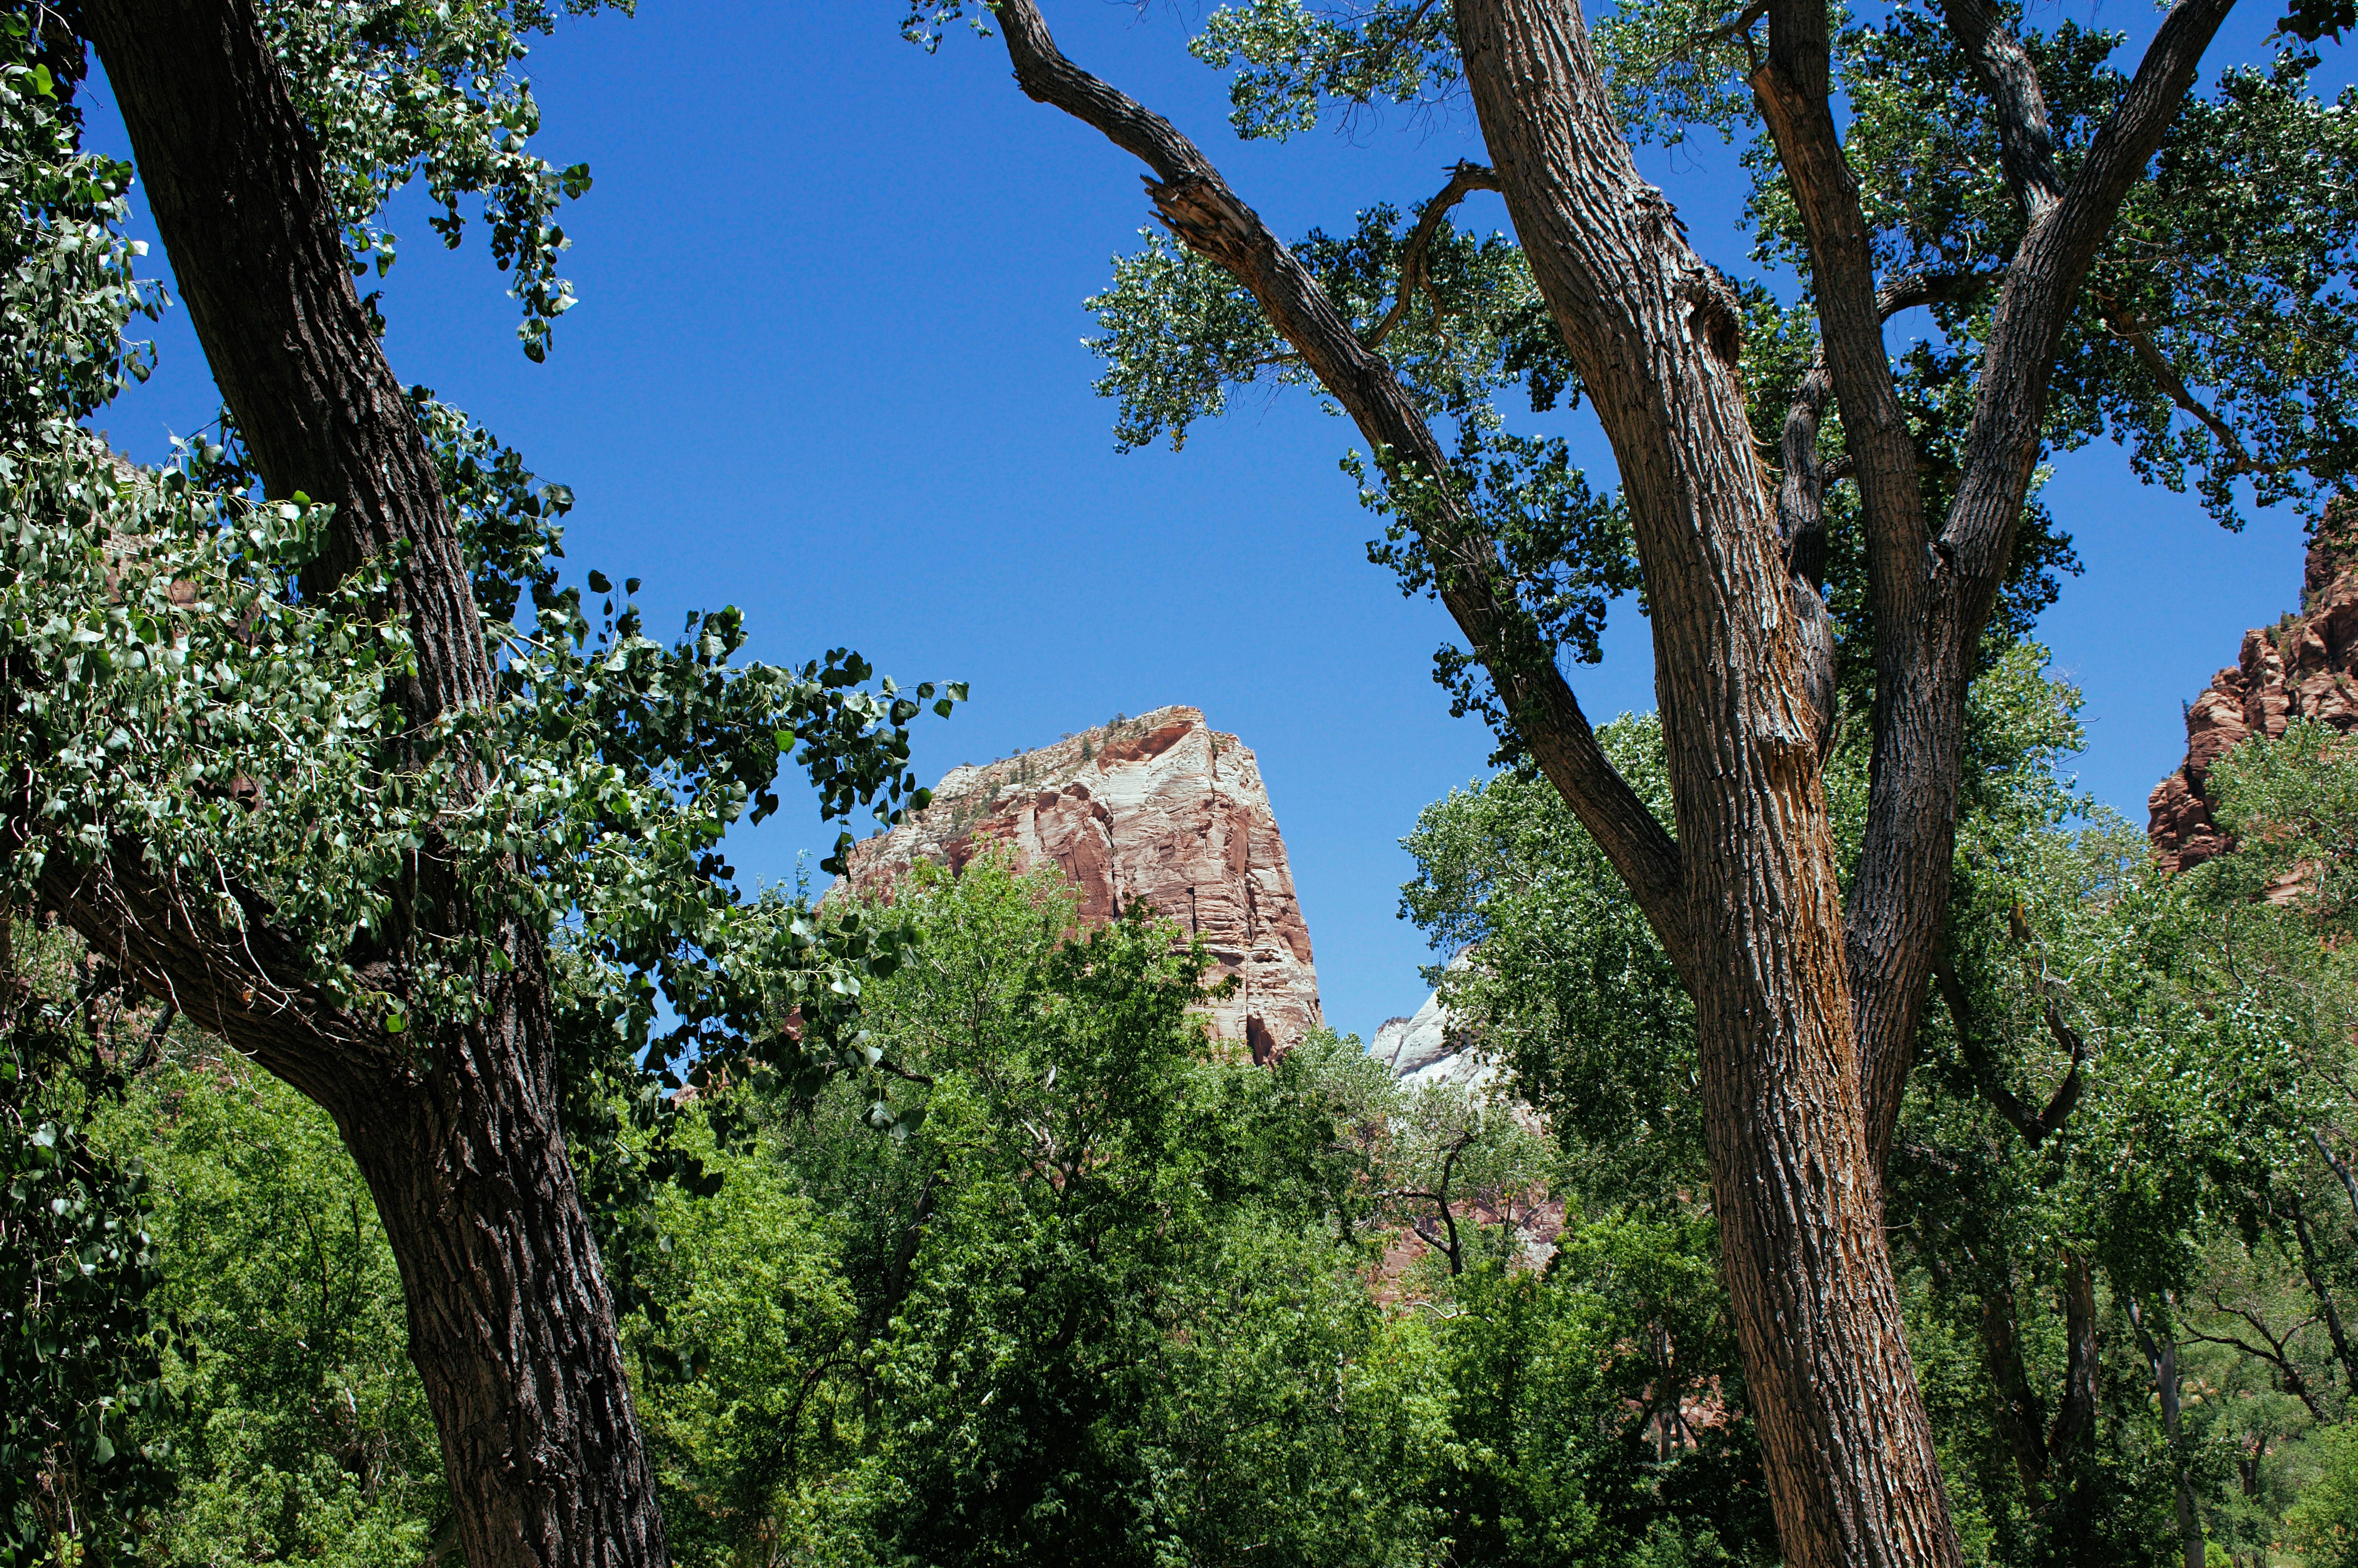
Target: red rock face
column 2302, row 668
column 1158, row 809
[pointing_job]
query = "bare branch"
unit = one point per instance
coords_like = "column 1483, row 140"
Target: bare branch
column 1464, row 178
column 1200, row 209
column 2126, row 326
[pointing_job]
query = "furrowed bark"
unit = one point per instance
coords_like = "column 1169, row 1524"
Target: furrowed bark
column 2008, row 78
column 453, row 1126
column 1805, row 1015
column 1933, row 596
column 1801, row 525
column 1196, row 204
column 1847, row 1447
column 1791, row 87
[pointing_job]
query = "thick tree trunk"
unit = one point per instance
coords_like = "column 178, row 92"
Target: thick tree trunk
column 453, row 1125
column 2020, row 1421
column 510, row 1324
column 1805, row 1026
column 1847, row 1448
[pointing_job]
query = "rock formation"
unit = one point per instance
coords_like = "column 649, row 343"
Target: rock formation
column 1159, row 809
column 2300, row 668
column 1428, row 1047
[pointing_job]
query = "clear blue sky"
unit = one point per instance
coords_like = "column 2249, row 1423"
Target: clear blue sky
column 828, row 367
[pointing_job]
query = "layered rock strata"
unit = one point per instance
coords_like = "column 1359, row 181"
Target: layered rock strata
column 1159, row 809
column 2301, row 668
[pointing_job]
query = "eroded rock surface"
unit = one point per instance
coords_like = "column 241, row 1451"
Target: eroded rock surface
column 1428, row 1047
column 2300, row 668
column 1160, row 809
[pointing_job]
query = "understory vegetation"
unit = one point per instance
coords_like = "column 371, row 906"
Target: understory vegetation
column 1112, row 1295
column 1103, row 1290
column 416, row 1146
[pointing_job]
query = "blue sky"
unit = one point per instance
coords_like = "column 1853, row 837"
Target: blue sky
column 828, row 367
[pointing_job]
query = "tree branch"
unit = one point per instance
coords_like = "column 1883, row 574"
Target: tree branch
column 1791, row 88
column 2042, row 284
column 1464, row 178
column 244, row 983
column 2312, row 1270
column 2075, row 1416
column 299, row 363
column 2278, row 1353
column 2340, row 1167
column 2130, row 330
column 2033, row 1126
column 1200, row 209
column 2020, row 1419
column 2026, row 147
column 1930, row 604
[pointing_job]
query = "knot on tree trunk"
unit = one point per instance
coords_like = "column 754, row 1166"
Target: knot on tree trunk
column 1712, row 315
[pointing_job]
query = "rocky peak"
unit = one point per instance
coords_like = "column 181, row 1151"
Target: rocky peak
column 1430, row 1047
column 2300, row 668
column 1160, row 809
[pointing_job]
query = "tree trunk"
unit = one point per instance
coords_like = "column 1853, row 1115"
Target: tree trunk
column 454, row 1125
column 1847, row 1449
column 510, row 1324
column 1805, row 1016
column 2019, row 1420
column 2162, row 1357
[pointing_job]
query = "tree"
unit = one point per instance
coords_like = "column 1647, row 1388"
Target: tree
column 1806, row 995
column 282, row 752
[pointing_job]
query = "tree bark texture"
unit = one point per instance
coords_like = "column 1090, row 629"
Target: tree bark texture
column 1806, row 1011
column 1848, row 1452
column 454, row 1127
column 1196, row 204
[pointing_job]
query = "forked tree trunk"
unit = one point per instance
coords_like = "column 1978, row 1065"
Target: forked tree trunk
column 453, row 1125
column 1847, row 1449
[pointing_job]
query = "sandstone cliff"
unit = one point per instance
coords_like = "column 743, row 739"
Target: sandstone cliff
column 1159, row 809
column 2300, row 668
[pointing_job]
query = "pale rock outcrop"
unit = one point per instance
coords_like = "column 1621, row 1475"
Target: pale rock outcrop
column 1159, row 809
column 2301, row 668
column 1428, row 1047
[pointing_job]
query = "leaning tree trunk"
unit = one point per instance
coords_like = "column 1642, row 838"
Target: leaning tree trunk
column 1844, row 1440
column 453, row 1125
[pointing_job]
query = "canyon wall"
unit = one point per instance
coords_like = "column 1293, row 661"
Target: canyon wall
column 1159, row 809
column 2300, row 668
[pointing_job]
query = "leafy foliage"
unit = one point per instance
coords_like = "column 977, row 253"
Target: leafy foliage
column 396, row 90
column 82, row 1333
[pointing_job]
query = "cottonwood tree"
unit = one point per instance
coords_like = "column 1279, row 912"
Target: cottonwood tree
column 284, row 755
column 1996, row 178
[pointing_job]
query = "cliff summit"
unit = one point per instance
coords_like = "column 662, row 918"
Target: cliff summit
column 1160, row 809
column 2300, row 668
